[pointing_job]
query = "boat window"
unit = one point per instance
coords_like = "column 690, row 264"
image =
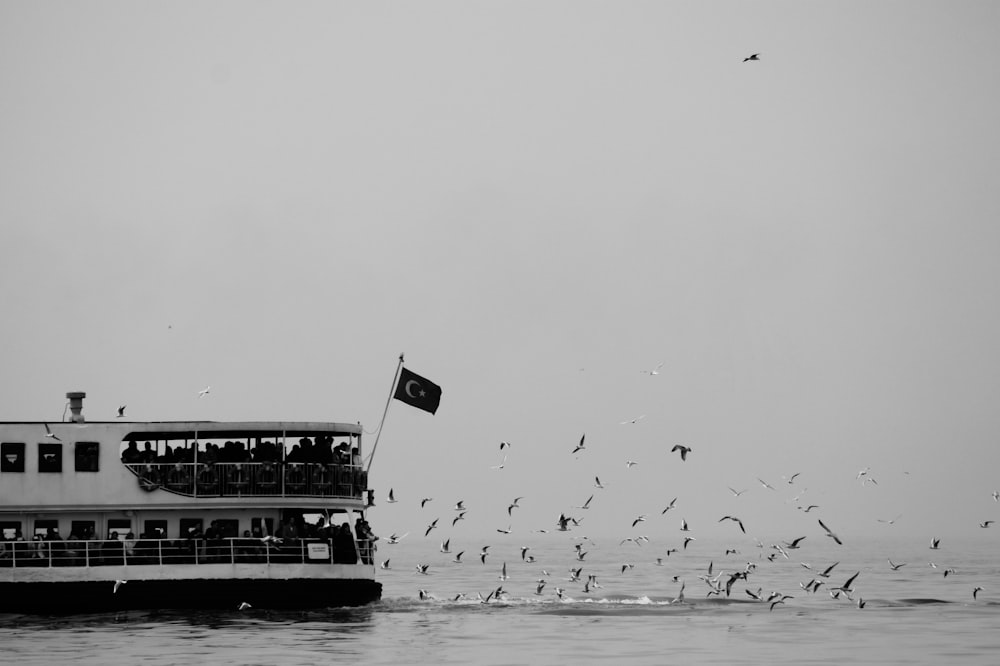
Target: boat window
column 155, row 529
column 83, row 529
column 43, row 525
column 190, row 526
column 120, row 525
column 50, row 457
column 86, row 456
column 12, row 457
column 10, row 529
column 262, row 527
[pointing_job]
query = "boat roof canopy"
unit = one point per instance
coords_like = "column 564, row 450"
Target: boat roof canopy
column 237, row 430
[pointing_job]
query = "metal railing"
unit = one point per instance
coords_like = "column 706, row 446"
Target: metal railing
column 264, row 479
column 165, row 552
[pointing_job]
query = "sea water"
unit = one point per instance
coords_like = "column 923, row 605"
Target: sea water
column 913, row 615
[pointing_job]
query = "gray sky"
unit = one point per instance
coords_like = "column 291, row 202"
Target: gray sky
column 535, row 202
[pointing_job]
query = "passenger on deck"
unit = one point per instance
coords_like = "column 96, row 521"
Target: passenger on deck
column 131, row 454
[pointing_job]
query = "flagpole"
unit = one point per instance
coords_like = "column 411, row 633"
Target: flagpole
column 392, row 389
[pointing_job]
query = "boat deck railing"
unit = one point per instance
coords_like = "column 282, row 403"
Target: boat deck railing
column 262, row 479
column 165, row 552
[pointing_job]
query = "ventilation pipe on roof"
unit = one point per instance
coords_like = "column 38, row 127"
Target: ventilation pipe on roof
column 76, row 406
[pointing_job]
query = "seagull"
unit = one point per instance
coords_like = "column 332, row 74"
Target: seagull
column 431, row 526
column 790, row 480
column 504, row 445
column 755, row 56
column 121, row 411
column 654, row 371
column 579, row 447
column 118, row 583
column 976, row 591
column 846, row 587
column 635, row 420
column 504, row 531
column 688, row 540
column 424, row 594
column 810, row 508
column 830, row 533
column 244, row 606
column 736, row 520
column 986, row 523
column 935, row 543
column 503, row 572
column 422, row 568
column 524, row 552
column 394, row 539
column 765, row 483
column 563, row 522
column 457, row 518
column 49, row 433
column 425, row 501
column 794, row 544
column 736, row 493
column 391, row 499
column 629, row 464
column 458, row 505
column 458, row 557
column 826, row 572
column 202, row 393
column 597, row 482
column 685, row 450
column 626, row 567
column 501, row 465
column 684, row 526
column 586, row 505
column 445, row 546
column 638, row 520
column 896, row 567
column 669, row 506
column 890, row 522
column 514, row 505
column 996, row 495
column 384, row 565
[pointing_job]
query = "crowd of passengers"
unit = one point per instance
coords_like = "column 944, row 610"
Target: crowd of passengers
column 208, row 547
column 308, row 450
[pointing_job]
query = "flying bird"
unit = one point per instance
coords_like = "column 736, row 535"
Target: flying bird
column 391, row 498
column 458, row 557
column 501, row 465
column 683, row 449
column 755, row 56
column 459, row 505
column 635, row 420
column 514, row 505
column 395, row 539
column 445, row 546
column 629, row 464
column 202, row 393
column 736, row 520
column 457, row 518
column 654, row 371
column 586, row 505
column 638, row 520
column 424, row 501
column 579, row 447
column 830, row 533
column 765, row 483
column 384, row 565
column 736, row 493
column 935, row 543
column 669, row 506
column 976, row 591
column 986, row 523
column 597, row 482
column 896, row 567
column 121, row 411
column 118, row 584
column 49, row 433
column 504, row 445
column 244, row 606
column 431, row 527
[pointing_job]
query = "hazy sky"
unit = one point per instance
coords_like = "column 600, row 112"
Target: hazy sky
column 535, row 202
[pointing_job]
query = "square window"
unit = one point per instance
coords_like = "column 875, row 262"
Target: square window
column 12, row 457
column 155, row 529
column 50, row 457
column 83, row 529
column 86, row 456
column 119, row 528
column 190, row 527
column 10, row 530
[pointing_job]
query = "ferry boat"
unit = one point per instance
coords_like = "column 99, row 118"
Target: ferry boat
column 110, row 516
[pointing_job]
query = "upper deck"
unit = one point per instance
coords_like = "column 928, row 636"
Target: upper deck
column 95, row 465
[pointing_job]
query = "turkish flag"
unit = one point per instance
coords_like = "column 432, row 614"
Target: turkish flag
column 417, row 392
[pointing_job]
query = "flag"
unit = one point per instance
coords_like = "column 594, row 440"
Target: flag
column 417, row 392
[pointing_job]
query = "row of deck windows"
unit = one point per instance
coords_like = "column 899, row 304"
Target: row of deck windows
column 50, row 457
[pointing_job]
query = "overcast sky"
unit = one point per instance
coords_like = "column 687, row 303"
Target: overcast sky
column 535, row 202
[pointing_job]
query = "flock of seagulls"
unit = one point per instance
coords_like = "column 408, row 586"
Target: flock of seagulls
column 722, row 583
